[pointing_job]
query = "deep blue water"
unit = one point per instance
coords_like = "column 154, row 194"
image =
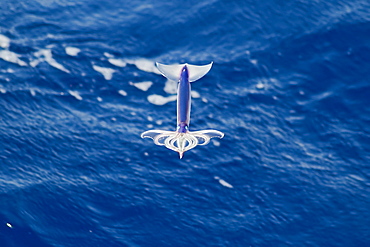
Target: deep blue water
column 289, row 88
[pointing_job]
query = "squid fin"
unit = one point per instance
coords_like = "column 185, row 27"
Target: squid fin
column 172, row 72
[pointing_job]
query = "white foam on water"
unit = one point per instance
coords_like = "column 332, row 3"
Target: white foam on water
column 72, row 51
column 108, row 54
column 32, row 92
column 144, row 86
column 117, row 62
column 170, row 87
column 4, row 41
column 99, row 99
column 224, row 183
column 144, row 65
column 106, row 72
column 160, row 100
column 122, row 92
column 45, row 55
column 355, row 177
column 2, row 90
column 11, row 57
column 195, row 94
column 75, row 94
column 216, row 143
column 260, row 85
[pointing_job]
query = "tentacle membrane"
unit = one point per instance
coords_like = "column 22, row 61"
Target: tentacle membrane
column 181, row 142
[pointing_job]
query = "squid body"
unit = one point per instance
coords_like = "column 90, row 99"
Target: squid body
column 182, row 139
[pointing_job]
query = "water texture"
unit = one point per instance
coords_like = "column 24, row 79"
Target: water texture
column 289, row 88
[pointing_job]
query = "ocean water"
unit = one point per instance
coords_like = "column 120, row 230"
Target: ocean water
column 289, row 88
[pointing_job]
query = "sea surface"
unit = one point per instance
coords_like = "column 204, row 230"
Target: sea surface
column 289, row 87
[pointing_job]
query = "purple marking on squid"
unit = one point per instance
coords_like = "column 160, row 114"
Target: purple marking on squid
column 183, row 101
column 182, row 139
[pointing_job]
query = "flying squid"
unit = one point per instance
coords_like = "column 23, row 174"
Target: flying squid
column 182, row 139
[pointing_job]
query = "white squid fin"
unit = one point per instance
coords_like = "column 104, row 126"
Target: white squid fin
column 173, row 72
column 196, row 72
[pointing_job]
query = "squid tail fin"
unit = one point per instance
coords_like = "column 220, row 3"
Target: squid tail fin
column 172, row 72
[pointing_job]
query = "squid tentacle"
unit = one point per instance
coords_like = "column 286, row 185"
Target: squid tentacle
column 181, row 142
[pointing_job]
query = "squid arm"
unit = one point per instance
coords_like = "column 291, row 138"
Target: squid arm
column 181, row 142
